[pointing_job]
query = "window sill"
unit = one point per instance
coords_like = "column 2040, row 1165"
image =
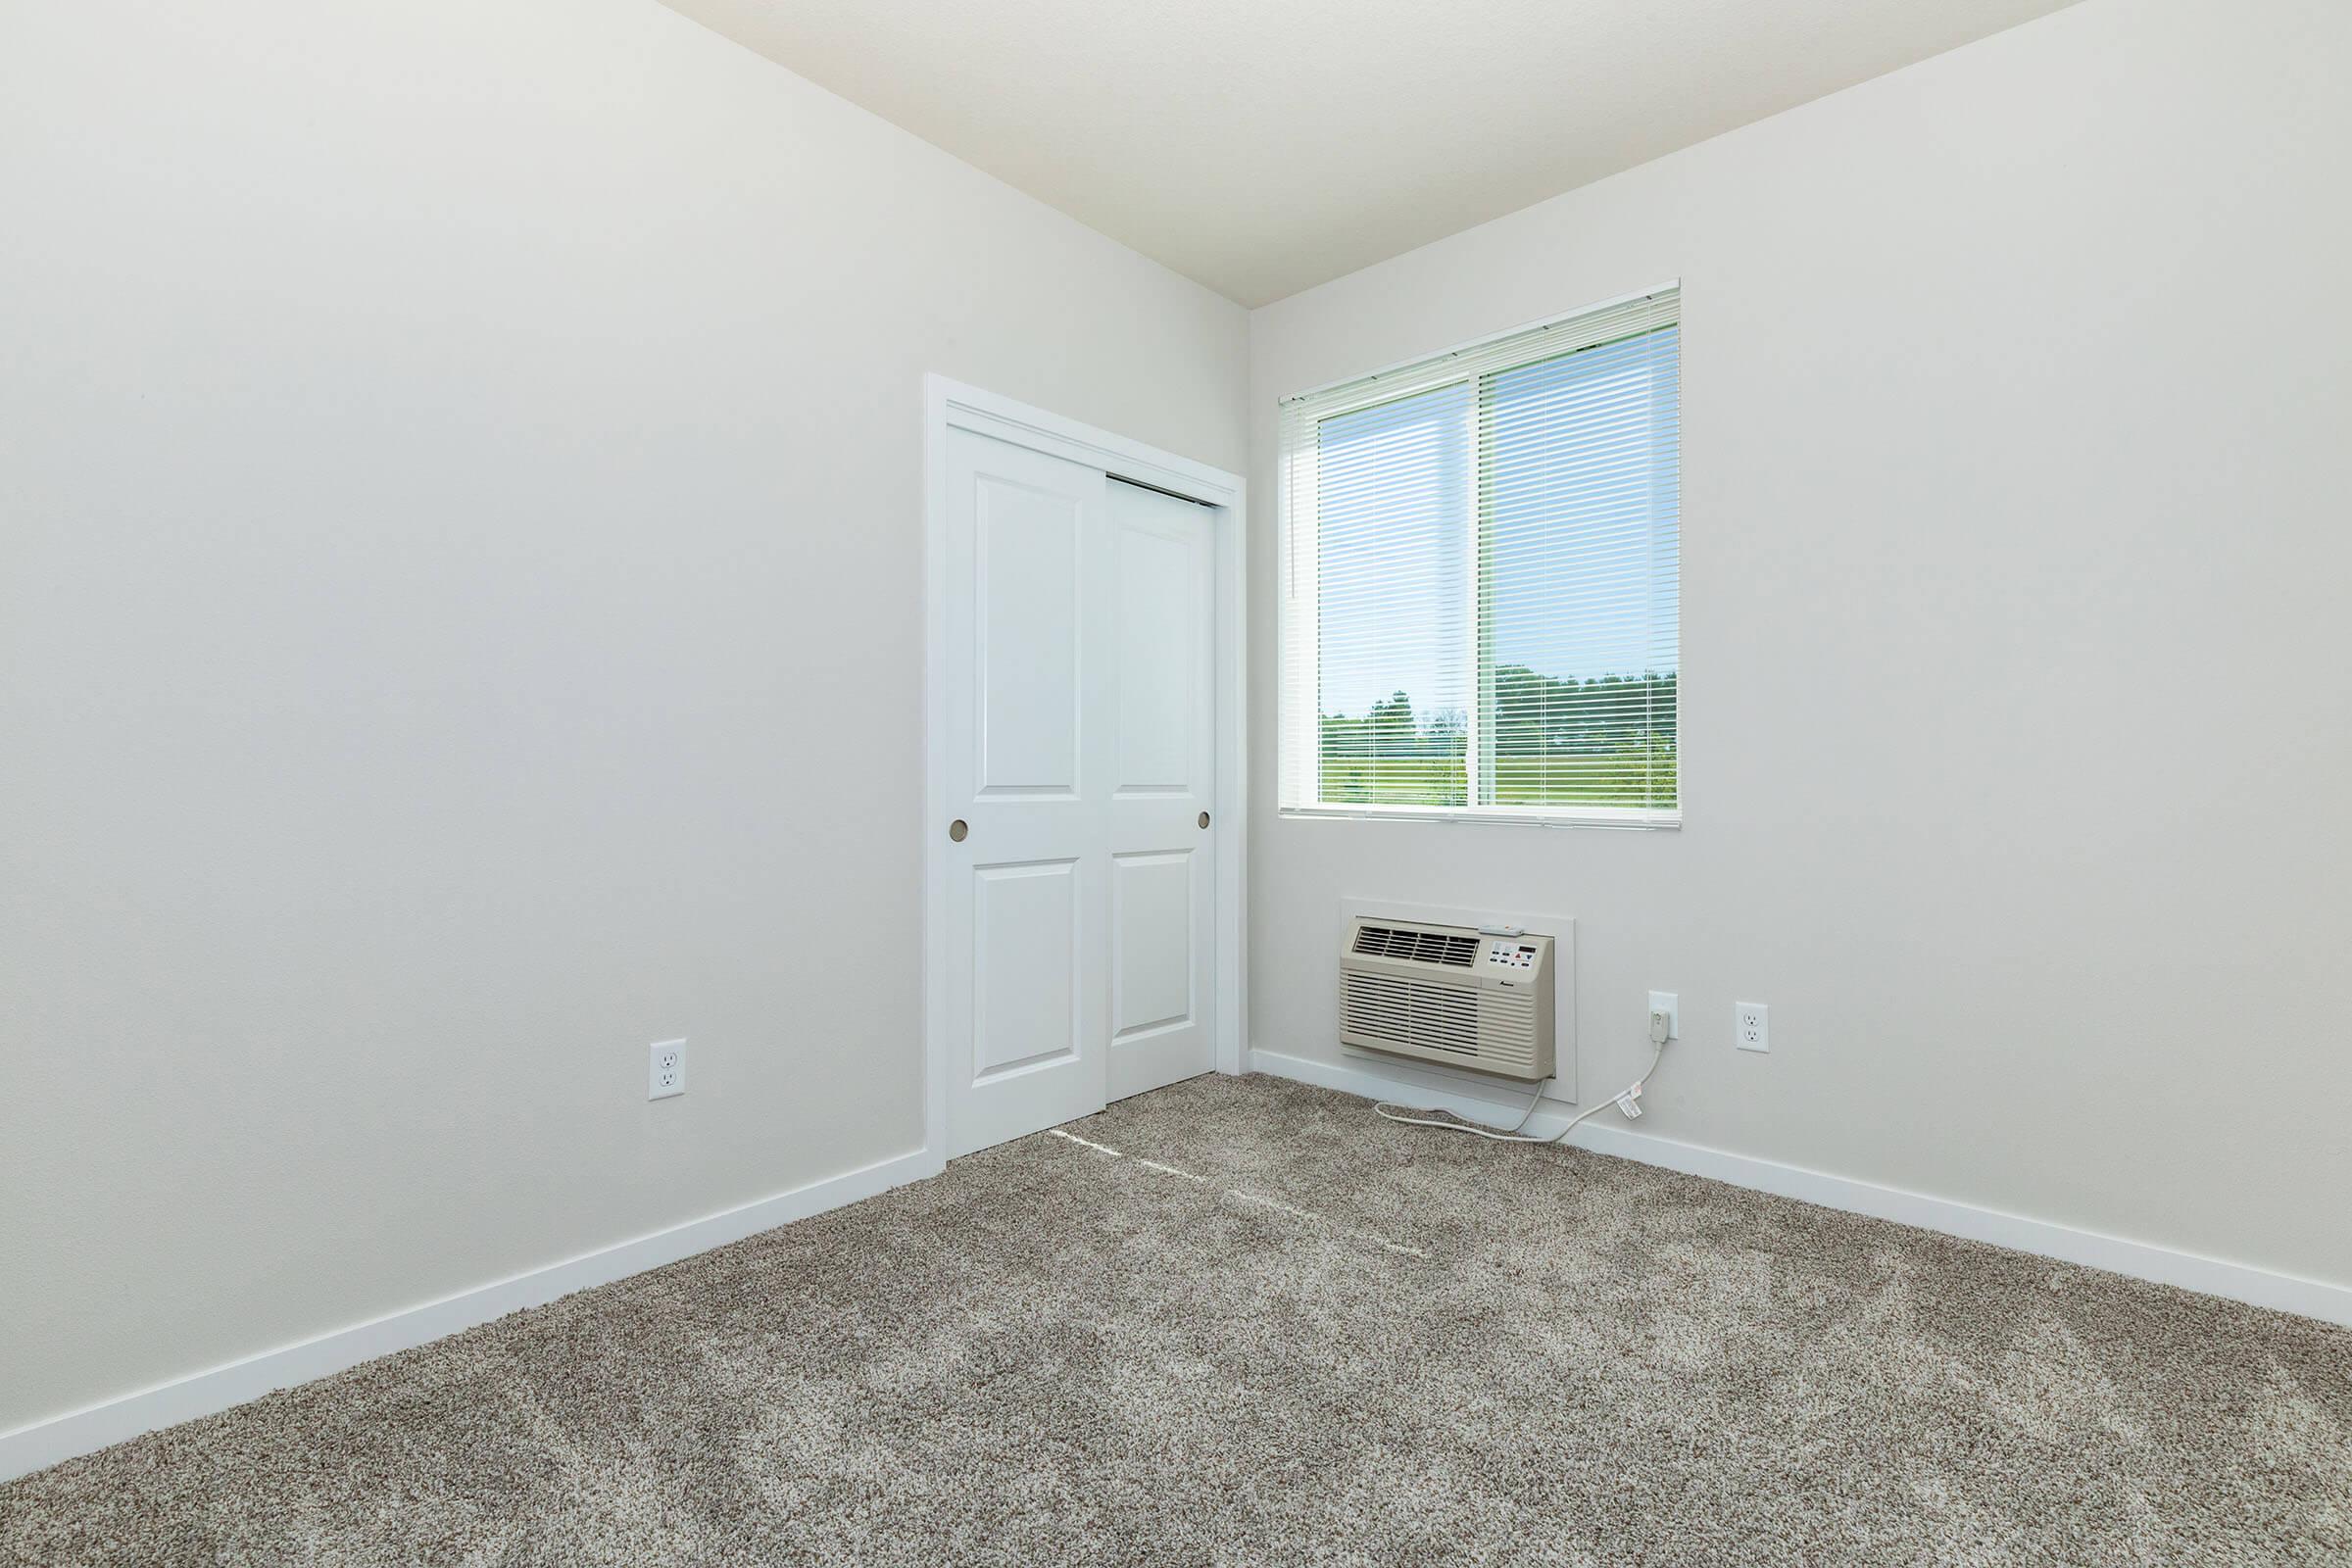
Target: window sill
column 1619, row 817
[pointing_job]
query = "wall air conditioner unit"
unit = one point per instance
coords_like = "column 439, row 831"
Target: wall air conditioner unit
column 1448, row 993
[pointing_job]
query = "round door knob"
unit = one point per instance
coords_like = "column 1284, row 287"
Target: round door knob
column 1205, row 820
column 958, row 829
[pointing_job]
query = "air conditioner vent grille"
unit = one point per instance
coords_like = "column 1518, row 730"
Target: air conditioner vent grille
column 1455, row 950
column 1405, row 1012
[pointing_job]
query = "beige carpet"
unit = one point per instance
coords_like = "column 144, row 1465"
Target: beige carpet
column 1273, row 1330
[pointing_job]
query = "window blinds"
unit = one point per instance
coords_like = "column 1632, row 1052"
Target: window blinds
column 1481, row 569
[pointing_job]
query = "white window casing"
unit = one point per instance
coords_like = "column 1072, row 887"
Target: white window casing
column 1479, row 579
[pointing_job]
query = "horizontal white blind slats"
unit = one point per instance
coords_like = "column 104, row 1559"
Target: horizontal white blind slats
column 1480, row 578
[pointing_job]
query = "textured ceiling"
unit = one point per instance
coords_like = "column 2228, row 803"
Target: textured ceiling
column 1264, row 146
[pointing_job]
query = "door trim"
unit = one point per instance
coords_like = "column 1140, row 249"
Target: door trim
column 953, row 406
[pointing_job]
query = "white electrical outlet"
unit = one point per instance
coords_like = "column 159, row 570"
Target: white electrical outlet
column 1664, row 1001
column 1751, row 1026
column 666, row 1069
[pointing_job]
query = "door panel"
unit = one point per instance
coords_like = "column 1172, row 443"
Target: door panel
column 1163, row 859
column 1025, row 555
column 1151, row 943
column 1155, row 669
column 1026, row 995
column 1028, row 600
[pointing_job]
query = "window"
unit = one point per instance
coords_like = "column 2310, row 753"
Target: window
column 1481, row 582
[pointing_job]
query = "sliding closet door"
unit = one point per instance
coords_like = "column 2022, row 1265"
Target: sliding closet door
column 1029, row 755
column 1163, row 823
column 1079, row 761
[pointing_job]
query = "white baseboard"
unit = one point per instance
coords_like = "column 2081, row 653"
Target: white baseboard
column 2190, row 1271
column 44, row 1443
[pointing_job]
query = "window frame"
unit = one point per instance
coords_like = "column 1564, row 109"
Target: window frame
column 1298, row 737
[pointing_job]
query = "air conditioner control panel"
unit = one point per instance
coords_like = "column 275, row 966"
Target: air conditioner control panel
column 1511, row 953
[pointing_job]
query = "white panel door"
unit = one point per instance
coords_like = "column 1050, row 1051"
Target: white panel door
column 1029, row 754
column 1162, row 796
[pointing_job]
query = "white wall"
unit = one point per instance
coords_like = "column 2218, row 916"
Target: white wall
column 459, row 622
column 2016, row 672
